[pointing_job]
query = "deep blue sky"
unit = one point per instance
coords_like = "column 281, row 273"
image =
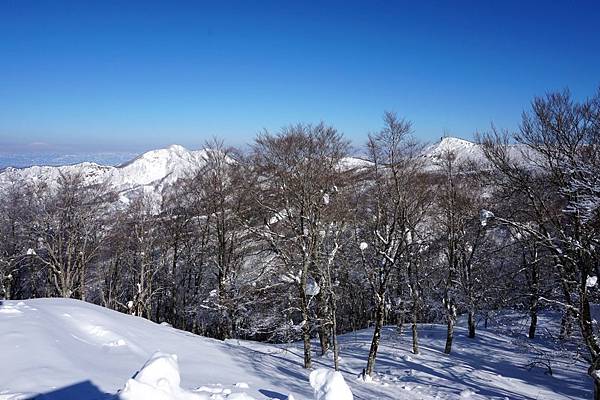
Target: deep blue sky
column 135, row 75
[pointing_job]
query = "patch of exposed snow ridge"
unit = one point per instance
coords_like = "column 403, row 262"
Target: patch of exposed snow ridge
column 329, row 385
column 159, row 379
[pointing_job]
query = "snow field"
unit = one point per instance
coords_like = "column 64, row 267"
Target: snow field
column 57, row 346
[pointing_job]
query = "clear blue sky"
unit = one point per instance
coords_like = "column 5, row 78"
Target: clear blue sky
column 135, row 75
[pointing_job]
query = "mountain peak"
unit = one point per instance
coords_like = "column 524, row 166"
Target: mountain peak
column 454, row 141
column 177, row 148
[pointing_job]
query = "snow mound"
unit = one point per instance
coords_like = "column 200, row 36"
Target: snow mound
column 10, row 310
column 158, row 380
column 329, row 385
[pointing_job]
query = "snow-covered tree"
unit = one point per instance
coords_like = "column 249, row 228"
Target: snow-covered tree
column 556, row 171
column 389, row 210
column 297, row 172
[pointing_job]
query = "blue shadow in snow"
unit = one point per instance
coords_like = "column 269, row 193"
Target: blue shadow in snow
column 273, row 395
column 85, row 390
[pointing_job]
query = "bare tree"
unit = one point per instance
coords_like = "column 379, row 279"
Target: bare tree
column 69, row 231
column 388, row 213
column 557, row 168
column 297, row 170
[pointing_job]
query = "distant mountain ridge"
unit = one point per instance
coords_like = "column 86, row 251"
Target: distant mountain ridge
column 148, row 172
column 28, row 159
column 153, row 170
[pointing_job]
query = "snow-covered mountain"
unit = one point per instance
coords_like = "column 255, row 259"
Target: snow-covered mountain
column 151, row 171
column 464, row 150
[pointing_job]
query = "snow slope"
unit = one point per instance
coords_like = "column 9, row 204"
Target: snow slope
column 49, row 344
column 74, row 350
column 463, row 149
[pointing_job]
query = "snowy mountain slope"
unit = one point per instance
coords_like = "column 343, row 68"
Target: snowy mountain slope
column 463, row 149
column 466, row 152
column 157, row 166
column 67, row 346
column 149, row 172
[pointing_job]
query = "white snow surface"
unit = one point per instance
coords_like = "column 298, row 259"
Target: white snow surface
column 68, row 349
column 329, row 385
column 158, row 380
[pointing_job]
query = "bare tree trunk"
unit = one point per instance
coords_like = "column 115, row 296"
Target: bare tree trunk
column 415, row 333
column 533, row 315
column 379, row 319
column 451, row 320
column 471, row 322
column 596, row 389
column 82, row 281
column 449, row 336
column 173, row 305
column 336, row 350
column 305, row 323
column 224, row 325
column 533, row 279
column 566, row 325
column 324, row 318
column 401, row 321
column 587, row 332
column 7, row 287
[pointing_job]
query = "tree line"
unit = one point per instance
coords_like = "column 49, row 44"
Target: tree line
column 293, row 239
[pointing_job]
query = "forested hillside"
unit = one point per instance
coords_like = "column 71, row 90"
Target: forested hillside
column 297, row 238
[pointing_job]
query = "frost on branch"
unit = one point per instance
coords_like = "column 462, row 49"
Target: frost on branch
column 591, row 281
column 485, row 216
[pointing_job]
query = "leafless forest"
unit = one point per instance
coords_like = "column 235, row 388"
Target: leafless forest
column 294, row 239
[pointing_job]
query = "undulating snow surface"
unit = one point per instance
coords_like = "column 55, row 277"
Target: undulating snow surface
column 67, row 349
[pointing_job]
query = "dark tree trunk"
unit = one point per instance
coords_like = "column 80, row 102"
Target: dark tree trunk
column 401, row 322
column 449, row 336
column 566, row 325
column 415, row 333
column 471, row 323
column 324, row 338
column 379, row 319
column 533, row 279
column 533, row 324
column 173, row 305
column 324, row 320
column 305, row 325
column 336, row 349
